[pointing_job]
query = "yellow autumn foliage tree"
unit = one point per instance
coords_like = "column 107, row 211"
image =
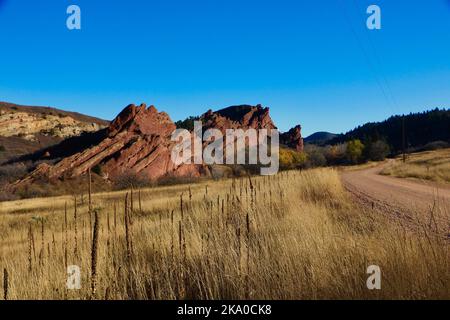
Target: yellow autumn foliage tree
column 290, row 159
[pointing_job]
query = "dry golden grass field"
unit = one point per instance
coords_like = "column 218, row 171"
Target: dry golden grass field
column 297, row 235
column 431, row 165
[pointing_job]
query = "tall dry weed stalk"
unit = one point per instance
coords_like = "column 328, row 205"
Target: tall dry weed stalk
column 65, row 222
column 94, row 255
column 181, row 207
column 75, row 236
column 115, row 222
column 30, row 247
column 5, row 284
column 140, row 200
column 127, row 229
column 90, row 198
column 132, row 199
column 42, row 251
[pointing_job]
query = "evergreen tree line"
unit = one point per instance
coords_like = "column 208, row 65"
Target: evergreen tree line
column 421, row 129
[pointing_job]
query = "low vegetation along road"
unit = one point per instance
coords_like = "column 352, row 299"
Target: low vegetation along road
column 416, row 202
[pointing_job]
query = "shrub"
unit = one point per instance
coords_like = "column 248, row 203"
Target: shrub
column 97, row 169
column 10, row 173
column 2, row 149
column 315, row 156
column 221, row 171
column 239, row 171
column 7, row 196
column 354, row 151
column 187, row 124
column 35, row 190
column 378, row 150
column 290, row 159
column 130, row 179
column 336, row 154
column 170, row 180
column 435, row 145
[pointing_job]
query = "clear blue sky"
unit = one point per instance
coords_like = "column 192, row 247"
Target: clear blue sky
column 312, row 62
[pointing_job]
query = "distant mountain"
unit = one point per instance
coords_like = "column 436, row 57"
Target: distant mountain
column 320, row 137
column 420, row 129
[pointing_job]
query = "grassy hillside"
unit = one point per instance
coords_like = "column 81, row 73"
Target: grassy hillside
column 432, row 165
column 296, row 235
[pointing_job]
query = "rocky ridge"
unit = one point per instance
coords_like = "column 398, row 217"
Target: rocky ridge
column 139, row 141
column 29, row 125
column 27, row 129
column 238, row 117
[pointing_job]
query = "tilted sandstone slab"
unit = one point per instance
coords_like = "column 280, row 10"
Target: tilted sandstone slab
column 138, row 141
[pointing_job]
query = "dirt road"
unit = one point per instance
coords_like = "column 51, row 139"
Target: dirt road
column 416, row 202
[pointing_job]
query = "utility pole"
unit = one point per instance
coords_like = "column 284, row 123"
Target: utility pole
column 403, row 139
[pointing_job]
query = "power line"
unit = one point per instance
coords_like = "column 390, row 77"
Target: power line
column 372, row 68
column 379, row 60
column 388, row 94
column 389, row 88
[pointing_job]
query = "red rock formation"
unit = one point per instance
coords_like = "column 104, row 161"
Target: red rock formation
column 238, row 117
column 293, row 138
column 137, row 141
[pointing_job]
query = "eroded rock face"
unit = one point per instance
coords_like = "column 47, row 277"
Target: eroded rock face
column 28, row 125
column 293, row 138
column 238, row 117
